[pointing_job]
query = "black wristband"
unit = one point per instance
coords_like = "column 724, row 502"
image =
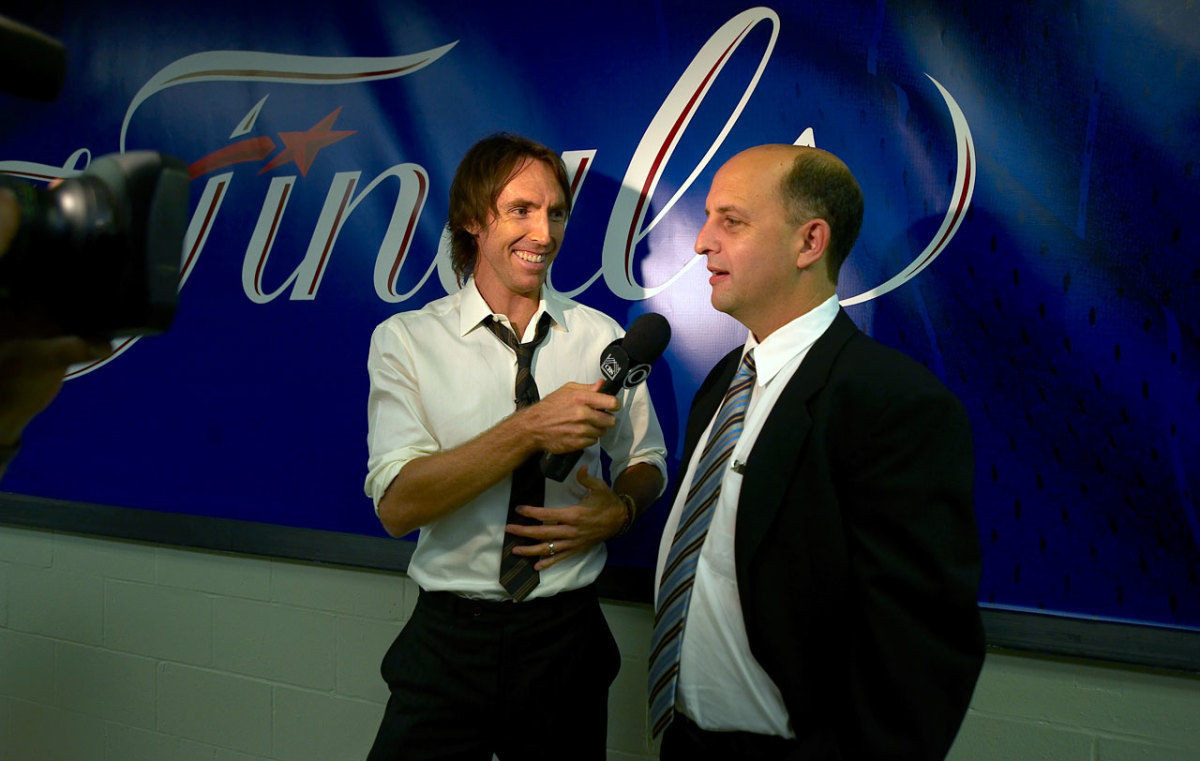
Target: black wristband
column 630, row 513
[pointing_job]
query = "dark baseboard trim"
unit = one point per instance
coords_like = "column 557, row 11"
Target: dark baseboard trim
column 1131, row 643
column 1151, row 646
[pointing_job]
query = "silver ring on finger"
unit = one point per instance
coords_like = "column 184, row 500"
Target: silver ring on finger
column 551, row 545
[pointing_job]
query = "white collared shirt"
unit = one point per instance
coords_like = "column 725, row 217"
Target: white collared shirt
column 440, row 378
column 721, row 686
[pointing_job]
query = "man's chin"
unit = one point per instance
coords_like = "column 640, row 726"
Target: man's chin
column 720, row 300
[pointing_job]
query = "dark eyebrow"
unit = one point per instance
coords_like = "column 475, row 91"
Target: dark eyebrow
column 729, row 209
column 535, row 204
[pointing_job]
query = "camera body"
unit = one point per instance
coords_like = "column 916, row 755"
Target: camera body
column 99, row 254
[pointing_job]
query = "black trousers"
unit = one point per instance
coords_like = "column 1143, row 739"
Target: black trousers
column 521, row 680
column 683, row 740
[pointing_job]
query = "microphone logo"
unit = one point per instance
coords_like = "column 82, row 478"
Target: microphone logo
column 611, row 367
column 636, row 375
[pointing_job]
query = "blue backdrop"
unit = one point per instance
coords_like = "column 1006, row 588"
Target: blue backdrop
column 1029, row 174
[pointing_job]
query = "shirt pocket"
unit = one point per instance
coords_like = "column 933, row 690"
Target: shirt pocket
column 718, row 550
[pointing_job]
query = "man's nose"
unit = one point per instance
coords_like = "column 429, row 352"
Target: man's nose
column 704, row 243
column 539, row 229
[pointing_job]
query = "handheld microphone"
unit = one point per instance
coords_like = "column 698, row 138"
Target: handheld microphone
column 624, row 363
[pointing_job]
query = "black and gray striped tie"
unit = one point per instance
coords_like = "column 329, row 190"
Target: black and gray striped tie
column 517, row 574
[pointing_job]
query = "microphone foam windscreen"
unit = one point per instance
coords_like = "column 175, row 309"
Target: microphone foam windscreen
column 647, row 338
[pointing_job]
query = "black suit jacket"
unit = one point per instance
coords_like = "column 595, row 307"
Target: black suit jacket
column 856, row 549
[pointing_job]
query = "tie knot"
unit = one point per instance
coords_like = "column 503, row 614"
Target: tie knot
column 525, row 389
column 509, row 338
column 747, row 369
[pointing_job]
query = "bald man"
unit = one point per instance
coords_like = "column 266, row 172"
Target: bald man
column 817, row 578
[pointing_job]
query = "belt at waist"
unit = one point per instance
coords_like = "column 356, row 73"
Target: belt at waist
column 456, row 605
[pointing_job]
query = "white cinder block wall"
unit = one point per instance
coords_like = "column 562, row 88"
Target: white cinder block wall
column 121, row 651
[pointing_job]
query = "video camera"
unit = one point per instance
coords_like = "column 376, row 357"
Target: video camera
column 98, row 255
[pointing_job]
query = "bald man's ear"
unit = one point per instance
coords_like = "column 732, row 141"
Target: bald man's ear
column 812, row 240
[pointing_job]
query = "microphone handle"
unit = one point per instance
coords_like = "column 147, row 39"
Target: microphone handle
column 558, row 466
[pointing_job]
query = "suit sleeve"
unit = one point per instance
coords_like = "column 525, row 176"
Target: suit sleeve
column 915, row 639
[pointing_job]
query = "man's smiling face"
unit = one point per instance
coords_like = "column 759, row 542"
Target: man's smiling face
column 523, row 235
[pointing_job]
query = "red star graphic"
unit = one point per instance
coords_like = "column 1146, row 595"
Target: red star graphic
column 302, row 147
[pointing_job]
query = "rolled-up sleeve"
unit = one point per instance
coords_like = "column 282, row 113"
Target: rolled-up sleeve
column 637, row 437
column 397, row 429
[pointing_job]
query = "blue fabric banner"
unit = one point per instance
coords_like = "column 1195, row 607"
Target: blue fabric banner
column 1029, row 174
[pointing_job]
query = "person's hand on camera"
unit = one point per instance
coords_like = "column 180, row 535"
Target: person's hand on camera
column 31, row 369
column 31, row 372
column 10, row 215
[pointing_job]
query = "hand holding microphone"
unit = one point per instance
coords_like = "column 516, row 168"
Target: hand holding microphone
column 624, row 363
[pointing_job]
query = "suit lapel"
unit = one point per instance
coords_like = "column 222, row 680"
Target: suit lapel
column 773, row 462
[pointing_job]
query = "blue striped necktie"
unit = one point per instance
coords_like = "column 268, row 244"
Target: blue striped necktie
column 679, row 573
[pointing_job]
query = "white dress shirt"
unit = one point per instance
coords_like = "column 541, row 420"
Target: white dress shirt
column 439, row 378
column 721, row 686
